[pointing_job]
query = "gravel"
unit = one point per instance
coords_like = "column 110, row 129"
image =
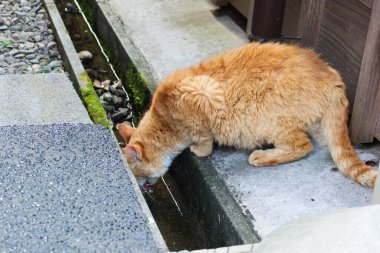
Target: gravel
column 27, row 43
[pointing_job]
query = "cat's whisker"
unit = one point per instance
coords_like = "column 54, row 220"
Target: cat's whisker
column 150, row 196
column 175, row 202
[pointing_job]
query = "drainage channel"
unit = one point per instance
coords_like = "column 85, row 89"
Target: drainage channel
column 178, row 225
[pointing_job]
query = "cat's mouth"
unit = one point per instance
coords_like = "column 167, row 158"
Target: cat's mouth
column 146, row 187
column 147, row 183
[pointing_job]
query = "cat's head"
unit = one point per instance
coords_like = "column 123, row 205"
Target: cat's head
column 146, row 162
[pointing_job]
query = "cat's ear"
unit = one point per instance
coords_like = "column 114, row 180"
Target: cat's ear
column 133, row 153
column 125, row 130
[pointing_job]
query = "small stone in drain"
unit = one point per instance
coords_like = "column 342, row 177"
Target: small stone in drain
column 100, row 92
column 93, row 74
column 122, row 115
column 85, row 56
column 117, row 101
column 120, row 93
column 107, row 97
column 71, row 9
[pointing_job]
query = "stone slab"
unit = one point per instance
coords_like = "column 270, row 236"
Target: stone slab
column 65, row 188
column 276, row 195
column 173, row 34
column 37, row 99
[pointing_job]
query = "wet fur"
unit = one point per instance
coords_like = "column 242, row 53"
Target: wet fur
column 251, row 96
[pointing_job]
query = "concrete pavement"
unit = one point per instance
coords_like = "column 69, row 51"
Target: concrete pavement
column 65, row 188
column 37, row 99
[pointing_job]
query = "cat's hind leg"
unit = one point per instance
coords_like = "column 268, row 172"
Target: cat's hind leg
column 202, row 148
column 288, row 148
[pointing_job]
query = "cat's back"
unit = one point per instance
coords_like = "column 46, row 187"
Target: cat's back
column 254, row 59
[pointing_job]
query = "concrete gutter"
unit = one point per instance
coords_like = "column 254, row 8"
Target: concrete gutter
column 74, row 67
column 76, row 71
column 211, row 200
column 207, row 192
column 70, row 56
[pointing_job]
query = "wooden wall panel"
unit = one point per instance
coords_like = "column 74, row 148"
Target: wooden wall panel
column 291, row 18
column 365, row 121
column 311, row 18
column 342, row 39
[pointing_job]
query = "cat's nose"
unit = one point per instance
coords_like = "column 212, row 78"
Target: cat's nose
column 152, row 180
column 141, row 181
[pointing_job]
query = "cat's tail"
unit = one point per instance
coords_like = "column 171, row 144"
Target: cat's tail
column 334, row 124
column 202, row 93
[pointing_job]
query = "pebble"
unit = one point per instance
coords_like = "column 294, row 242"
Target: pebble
column 19, row 56
column 85, row 55
column 54, row 64
column 71, row 8
column 53, row 53
column 44, row 61
column 40, row 45
column 11, row 60
column 36, row 68
column 15, row 28
column 27, row 40
column 37, row 38
column 51, row 44
column 13, row 52
column 30, row 56
column 16, row 36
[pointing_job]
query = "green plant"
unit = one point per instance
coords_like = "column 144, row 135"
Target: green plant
column 6, row 42
column 43, row 70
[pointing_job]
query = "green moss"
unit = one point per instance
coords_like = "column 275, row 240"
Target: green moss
column 138, row 85
column 94, row 106
column 88, row 11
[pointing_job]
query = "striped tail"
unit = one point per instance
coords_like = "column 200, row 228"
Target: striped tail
column 334, row 124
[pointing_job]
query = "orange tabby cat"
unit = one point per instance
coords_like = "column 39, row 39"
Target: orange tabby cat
column 254, row 95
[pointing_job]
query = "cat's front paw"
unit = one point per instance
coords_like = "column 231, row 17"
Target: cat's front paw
column 260, row 158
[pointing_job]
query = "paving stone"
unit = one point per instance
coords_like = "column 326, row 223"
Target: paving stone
column 65, row 188
column 39, row 99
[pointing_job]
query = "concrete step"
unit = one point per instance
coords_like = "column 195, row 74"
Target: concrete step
column 37, row 99
column 276, row 195
column 162, row 36
column 65, row 188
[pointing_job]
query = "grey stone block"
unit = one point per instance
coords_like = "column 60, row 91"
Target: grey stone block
column 65, row 188
column 35, row 99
